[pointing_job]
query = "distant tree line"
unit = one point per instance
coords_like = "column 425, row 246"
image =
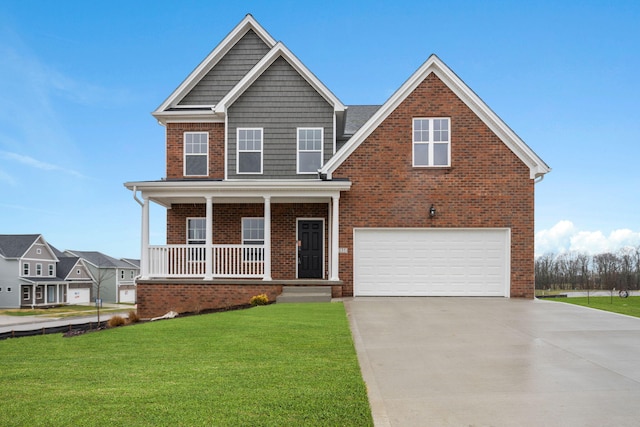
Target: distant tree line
column 576, row 270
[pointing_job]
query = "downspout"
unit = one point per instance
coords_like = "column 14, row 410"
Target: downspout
column 135, row 196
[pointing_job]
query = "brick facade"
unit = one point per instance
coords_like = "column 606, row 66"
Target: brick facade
column 175, row 148
column 227, row 228
column 156, row 298
column 487, row 185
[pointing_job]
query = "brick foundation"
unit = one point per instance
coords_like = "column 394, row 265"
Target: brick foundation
column 156, row 298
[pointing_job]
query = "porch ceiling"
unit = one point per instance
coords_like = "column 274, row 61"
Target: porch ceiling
column 166, row 193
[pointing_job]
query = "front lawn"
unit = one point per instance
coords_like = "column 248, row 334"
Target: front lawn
column 629, row 306
column 277, row 365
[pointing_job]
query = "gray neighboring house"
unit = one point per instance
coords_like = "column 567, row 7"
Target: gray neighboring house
column 79, row 280
column 29, row 272
column 115, row 277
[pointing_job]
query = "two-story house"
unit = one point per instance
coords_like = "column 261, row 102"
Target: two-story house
column 114, row 279
column 29, row 275
column 272, row 181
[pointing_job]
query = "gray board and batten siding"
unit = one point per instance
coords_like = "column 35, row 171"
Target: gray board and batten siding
column 280, row 101
column 231, row 68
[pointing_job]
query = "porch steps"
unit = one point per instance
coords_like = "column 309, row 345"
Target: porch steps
column 304, row 294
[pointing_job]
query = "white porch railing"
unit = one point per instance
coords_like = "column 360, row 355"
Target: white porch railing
column 227, row 261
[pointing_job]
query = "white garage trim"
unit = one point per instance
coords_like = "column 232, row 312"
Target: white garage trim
column 432, row 261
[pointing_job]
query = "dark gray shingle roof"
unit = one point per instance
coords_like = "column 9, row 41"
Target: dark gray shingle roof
column 356, row 116
column 15, row 245
column 99, row 259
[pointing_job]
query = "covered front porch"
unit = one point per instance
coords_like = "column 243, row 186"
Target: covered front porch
column 221, row 230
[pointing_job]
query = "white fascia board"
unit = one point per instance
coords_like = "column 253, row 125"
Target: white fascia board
column 279, row 50
column 202, row 116
column 248, row 23
column 536, row 166
column 241, row 185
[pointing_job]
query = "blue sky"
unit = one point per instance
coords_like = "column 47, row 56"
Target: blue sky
column 79, row 79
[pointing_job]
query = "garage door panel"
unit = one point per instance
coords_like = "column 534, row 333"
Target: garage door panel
column 431, row 262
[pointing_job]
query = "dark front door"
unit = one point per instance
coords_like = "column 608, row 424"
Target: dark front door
column 310, row 249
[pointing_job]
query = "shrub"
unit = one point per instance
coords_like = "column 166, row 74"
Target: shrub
column 261, row 299
column 133, row 317
column 116, row 321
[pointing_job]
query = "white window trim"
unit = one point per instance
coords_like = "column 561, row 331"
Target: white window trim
column 238, row 151
column 52, row 270
column 38, row 269
column 430, row 143
column 26, row 272
column 298, row 151
column 187, row 231
column 184, row 152
column 248, row 254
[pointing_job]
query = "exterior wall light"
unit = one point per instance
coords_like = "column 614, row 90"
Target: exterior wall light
column 432, row 211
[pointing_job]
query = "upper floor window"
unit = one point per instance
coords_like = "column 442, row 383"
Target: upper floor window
column 196, row 231
column 38, row 269
column 25, row 269
column 309, row 149
column 131, row 274
column 51, row 270
column 431, row 142
column 249, row 156
column 196, row 153
column 121, row 274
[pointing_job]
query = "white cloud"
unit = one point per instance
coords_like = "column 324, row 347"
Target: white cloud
column 34, row 163
column 564, row 237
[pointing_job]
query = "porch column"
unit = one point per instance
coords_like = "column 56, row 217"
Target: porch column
column 208, row 257
column 144, row 254
column 267, row 238
column 335, row 233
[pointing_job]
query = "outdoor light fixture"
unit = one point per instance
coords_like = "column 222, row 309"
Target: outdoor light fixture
column 432, row 211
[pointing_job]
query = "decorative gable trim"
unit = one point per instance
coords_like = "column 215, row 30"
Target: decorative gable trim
column 248, row 23
column 279, row 50
column 40, row 241
column 434, row 65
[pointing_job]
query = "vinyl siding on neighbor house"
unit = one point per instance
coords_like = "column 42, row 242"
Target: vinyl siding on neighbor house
column 228, row 71
column 279, row 101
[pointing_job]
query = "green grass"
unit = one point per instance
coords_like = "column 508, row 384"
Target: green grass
column 629, row 306
column 276, row 365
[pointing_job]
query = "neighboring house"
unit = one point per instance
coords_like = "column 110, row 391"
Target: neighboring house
column 29, row 272
column 272, row 181
column 114, row 278
column 77, row 276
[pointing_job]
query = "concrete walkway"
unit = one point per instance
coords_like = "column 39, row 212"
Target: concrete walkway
column 496, row 362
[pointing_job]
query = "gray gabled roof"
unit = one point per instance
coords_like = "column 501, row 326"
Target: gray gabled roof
column 65, row 265
column 98, row 259
column 15, row 245
column 356, row 116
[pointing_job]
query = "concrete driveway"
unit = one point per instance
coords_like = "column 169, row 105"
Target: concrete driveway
column 496, row 362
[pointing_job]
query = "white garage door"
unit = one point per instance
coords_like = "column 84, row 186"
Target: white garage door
column 431, row 262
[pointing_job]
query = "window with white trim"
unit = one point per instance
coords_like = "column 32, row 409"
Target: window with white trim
column 252, row 234
column 25, row 269
column 38, row 269
column 196, row 153
column 196, row 231
column 196, row 235
column 51, row 270
column 122, row 274
column 431, row 142
column 249, row 151
column 310, row 149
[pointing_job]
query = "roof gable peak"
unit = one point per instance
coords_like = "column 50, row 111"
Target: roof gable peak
column 279, row 50
column 435, row 65
column 239, row 31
